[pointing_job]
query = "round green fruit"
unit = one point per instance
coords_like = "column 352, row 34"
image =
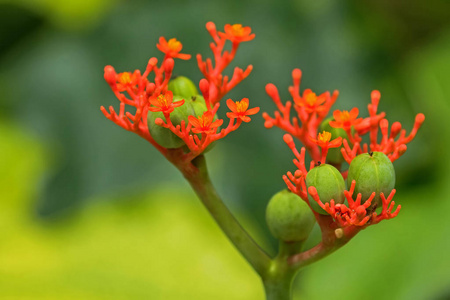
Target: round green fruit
column 329, row 184
column 289, row 217
column 334, row 155
column 373, row 172
column 199, row 105
column 183, row 87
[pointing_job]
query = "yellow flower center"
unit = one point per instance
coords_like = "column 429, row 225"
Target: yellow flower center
column 125, row 78
column 174, row 44
column 162, row 100
column 324, row 137
column 345, row 116
column 237, row 30
column 240, row 106
column 311, row 99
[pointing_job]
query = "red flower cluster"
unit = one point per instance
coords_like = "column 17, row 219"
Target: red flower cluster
column 355, row 216
column 393, row 142
column 215, row 85
column 357, row 213
column 141, row 92
column 310, row 108
column 145, row 95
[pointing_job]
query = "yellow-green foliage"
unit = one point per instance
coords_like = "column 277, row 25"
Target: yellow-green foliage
column 68, row 14
column 159, row 245
column 164, row 245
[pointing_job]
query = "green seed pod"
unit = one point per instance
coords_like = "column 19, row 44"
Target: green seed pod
column 334, row 155
column 373, row 172
column 163, row 136
column 329, row 184
column 183, row 87
column 289, row 217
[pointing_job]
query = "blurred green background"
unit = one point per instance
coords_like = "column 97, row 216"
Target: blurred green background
column 90, row 211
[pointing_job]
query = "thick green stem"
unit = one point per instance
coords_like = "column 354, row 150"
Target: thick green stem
column 277, row 274
column 278, row 280
column 200, row 182
column 279, row 288
column 332, row 239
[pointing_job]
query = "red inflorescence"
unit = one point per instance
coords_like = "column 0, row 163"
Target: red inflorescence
column 311, row 110
column 392, row 143
column 357, row 213
column 215, row 85
column 145, row 95
column 296, row 182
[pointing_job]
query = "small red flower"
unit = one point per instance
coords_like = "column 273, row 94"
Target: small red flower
column 164, row 103
column 345, row 119
column 240, row 110
column 127, row 80
column 204, row 123
column 311, row 102
column 172, row 48
column 323, row 140
column 237, row 33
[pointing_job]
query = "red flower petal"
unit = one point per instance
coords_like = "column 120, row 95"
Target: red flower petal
column 183, row 56
column 337, row 117
column 216, row 123
column 252, row 111
column 231, row 105
column 244, row 102
column 194, row 121
column 354, row 113
column 232, row 115
column 335, row 143
column 245, row 119
column 178, row 103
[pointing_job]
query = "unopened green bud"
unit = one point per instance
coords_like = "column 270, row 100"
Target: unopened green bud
column 329, row 184
column 373, row 172
column 183, row 87
column 289, row 217
column 334, row 155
